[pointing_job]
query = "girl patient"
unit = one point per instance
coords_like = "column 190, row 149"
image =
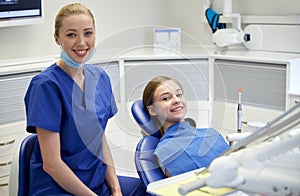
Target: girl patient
column 182, row 147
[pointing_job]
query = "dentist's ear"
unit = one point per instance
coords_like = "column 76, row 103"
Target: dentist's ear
column 56, row 40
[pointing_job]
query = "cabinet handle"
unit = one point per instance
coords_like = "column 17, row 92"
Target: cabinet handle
column 4, row 184
column 5, row 164
column 8, row 142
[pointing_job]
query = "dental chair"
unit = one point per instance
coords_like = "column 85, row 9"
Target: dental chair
column 147, row 170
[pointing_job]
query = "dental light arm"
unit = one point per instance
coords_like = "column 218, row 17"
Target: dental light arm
column 258, row 164
column 271, row 168
column 268, row 168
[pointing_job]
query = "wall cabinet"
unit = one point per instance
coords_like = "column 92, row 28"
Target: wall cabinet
column 265, row 82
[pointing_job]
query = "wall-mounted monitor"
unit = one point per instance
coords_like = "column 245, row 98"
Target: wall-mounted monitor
column 20, row 12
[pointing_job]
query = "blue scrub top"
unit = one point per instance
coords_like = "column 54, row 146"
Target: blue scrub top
column 56, row 103
column 185, row 148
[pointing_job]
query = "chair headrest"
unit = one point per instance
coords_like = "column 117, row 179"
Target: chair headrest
column 143, row 119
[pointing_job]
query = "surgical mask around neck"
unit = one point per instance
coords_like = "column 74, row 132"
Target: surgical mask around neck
column 70, row 62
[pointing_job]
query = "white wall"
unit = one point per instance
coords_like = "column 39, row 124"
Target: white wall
column 188, row 14
column 112, row 16
column 262, row 7
column 128, row 23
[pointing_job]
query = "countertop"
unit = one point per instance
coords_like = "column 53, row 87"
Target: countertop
column 8, row 66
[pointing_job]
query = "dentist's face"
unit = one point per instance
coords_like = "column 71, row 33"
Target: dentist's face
column 169, row 104
column 77, row 36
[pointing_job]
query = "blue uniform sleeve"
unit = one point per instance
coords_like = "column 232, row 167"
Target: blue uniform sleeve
column 43, row 105
column 105, row 92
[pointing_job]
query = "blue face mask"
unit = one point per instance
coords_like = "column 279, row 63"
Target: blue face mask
column 70, row 62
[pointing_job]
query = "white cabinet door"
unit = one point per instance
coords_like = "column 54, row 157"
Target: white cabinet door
column 263, row 96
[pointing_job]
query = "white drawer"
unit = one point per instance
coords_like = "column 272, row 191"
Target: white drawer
column 4, row 185
column 12, row 128
column 10, row 143
column 5, row 164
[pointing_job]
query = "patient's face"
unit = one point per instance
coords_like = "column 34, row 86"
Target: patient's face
column 169, row 104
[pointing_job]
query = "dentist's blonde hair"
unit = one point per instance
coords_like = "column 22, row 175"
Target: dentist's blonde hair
column 68, row 10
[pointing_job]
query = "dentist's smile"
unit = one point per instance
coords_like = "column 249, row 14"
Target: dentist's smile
column 81, row 53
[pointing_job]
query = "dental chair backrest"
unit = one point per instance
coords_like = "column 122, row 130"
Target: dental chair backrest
column 144, row 120
column 147, row 170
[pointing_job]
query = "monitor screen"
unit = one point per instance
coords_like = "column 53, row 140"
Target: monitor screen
column 12, row 12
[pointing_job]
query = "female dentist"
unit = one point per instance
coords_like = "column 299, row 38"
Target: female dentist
column 68, row 106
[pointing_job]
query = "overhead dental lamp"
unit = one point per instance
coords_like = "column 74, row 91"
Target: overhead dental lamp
column 223, row 36
column 227, row 37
